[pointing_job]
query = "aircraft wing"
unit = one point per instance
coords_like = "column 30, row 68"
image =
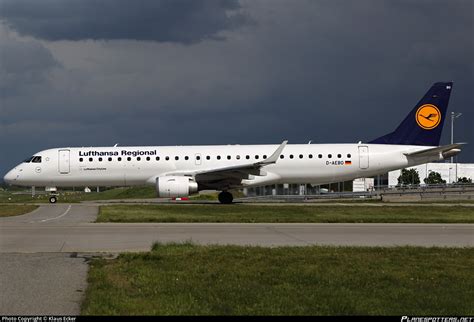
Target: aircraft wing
column 216, row 178
column 444, row 150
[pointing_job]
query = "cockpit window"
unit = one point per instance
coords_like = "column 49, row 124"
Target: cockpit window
column 28, row 160
column 36, row 159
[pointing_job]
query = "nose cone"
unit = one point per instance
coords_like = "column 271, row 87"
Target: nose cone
column 9, row 177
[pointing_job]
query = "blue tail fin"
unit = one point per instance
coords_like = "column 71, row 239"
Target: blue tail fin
column 424, row 124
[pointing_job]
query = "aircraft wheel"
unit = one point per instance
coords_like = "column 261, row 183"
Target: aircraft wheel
column 53, row 199
column 225, row 197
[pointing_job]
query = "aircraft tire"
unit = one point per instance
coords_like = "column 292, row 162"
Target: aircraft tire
column 225, row 197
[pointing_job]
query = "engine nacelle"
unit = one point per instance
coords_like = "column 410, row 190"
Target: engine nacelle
column 174, row 186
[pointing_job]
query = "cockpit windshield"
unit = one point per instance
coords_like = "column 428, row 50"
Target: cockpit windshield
column 33, row 159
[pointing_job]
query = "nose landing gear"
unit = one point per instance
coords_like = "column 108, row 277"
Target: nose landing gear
column 225, row 197
column 53, row 194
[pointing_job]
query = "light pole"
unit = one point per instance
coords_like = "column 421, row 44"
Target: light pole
column 454, row 115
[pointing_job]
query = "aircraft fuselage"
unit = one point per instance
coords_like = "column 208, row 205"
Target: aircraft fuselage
column 130, row 166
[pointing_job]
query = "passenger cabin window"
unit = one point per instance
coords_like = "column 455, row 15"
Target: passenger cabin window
column 238, row 157
column 119, row 159
column 208, row 158
column 198, row 157
column 81, row 159
column 256, row 157
column 176, row 158
column 138, row 158
column 310, row 156
column 90, row 159
column 100, row 159
column 110, row 159
column 167, row 158
column 186, row 158
column 129, row 159
column 36, row 160
column 228, row 157
column 282, row 156
column 320, row 156
column 291, row 156
column 301, row 156
column 148, row 158
column 329, row 156
column 339, row 156
column 218, row 157
column 349, row 155
column 247, row 157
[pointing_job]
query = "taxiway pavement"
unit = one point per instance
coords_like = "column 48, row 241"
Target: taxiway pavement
column 43, row 254
column 70, row 228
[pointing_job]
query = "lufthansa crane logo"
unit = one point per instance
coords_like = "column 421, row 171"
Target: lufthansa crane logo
column 428, row 116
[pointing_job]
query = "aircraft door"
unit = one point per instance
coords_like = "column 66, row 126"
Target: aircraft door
column 364, row 157
column 64, row 161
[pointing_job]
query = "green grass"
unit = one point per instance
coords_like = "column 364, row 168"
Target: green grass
column 251, row 213
column 211, row 196
column 15, row 210
column 78, row 196
column 233, row 280
column 116, row 193
column 20, row 197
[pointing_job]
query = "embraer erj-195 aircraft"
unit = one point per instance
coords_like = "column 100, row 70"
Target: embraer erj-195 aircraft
column 183, row 170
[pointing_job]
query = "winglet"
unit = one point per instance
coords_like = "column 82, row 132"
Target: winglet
column 274, row 157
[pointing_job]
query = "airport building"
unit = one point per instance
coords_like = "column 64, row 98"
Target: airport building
column 286, row 189
column 449, row 172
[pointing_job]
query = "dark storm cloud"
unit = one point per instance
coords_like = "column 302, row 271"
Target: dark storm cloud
column 328, row 71
column 22, row 64
column 180, row 21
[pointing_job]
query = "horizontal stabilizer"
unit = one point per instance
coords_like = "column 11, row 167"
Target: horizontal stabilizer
column 445, row 149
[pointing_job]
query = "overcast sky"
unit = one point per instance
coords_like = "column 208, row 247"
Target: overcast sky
column 178, row 72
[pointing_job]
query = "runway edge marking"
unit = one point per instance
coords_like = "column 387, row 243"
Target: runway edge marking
column 60, row 216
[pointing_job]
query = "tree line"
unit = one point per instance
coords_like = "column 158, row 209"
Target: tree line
column 411, row 177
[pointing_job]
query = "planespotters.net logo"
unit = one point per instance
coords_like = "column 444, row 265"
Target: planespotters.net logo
column 437, row 319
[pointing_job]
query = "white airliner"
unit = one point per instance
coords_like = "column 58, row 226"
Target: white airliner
column 184, row 170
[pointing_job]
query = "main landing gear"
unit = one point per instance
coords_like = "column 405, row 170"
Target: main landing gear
column 225, row 197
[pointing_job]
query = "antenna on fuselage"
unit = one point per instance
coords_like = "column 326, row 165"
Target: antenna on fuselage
column 115, row 145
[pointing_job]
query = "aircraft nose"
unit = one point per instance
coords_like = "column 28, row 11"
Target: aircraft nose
column 10, row 177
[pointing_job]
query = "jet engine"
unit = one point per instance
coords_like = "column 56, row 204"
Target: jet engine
column 174, row 186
